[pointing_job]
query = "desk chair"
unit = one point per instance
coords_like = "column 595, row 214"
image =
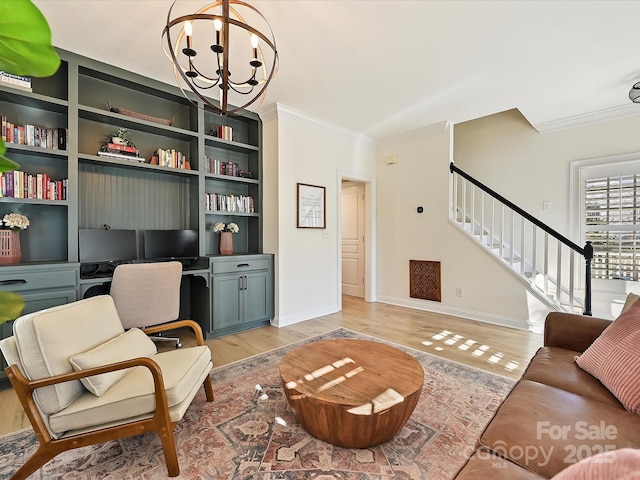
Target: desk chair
column 147, row 294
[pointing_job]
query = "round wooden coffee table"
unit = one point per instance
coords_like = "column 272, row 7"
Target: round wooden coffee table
column 351, row 393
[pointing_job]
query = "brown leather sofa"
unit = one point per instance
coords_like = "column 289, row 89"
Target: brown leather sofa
column 556, row 415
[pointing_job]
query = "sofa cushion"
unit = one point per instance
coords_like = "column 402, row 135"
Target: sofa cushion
column 621, row 464
column 556, row 367
column 545, row 429
column 629, row 301
column 130, row 344
column 47, row 338
column 133, row 395
column 614, row 358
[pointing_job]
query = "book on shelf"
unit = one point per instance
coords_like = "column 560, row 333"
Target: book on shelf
column 15, row 81
column 219, row 202
column 19, row 184
column 173, row 159
column 122, row 148
column 217, row 167
column 33, row 135
column 225, row 132
column 121, row 156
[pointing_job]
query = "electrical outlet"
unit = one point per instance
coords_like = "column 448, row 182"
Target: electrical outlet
column 546, row 205
column 459, row 291
column 325, row 234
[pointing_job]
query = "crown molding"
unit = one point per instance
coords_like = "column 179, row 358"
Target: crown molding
column 588, row 118
column 279, row 110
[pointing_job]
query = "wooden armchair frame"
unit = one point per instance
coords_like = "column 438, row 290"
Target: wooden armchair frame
column 160, row 422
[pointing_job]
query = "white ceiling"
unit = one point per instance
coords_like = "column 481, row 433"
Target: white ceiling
column 383, row 67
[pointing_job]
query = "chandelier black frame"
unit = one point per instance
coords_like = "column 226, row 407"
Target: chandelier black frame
column 186, row 66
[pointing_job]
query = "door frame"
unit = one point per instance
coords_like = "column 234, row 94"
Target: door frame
column 369, row 235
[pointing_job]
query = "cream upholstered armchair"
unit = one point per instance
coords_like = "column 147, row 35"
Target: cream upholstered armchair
column 83, row 380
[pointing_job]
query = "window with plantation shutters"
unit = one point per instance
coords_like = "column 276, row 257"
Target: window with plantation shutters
column 612, row 224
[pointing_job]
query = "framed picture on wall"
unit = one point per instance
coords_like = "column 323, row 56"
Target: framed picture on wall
column 311, row 205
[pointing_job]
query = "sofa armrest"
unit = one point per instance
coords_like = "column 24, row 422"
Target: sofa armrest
column 572, row 331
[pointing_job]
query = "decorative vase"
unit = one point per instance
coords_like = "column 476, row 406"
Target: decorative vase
column 10, row 251
column 226, row 243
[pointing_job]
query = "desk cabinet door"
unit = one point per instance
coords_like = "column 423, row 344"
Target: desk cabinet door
column 256, row 296
column 227, row 295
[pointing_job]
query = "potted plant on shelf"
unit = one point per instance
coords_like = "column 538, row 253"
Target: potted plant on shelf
column 226, row 239
column 26, row 50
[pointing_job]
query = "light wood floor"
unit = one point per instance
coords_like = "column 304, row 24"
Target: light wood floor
column 500, row 350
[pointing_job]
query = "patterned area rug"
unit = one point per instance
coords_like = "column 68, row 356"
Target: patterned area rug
column 247, row 433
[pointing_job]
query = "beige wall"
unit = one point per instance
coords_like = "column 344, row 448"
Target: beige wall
column 506, row 153
column 421, row 178
column 299, row 149
column 501, row 150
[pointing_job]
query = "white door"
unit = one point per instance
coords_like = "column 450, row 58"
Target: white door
column 353, row 239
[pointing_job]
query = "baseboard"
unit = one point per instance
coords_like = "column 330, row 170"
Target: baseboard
column 283, row 321
column 456, row 312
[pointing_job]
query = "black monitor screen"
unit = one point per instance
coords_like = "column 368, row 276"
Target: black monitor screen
column 100, row 245
column 170, row 244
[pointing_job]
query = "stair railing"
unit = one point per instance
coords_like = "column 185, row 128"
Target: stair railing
column 521, row 241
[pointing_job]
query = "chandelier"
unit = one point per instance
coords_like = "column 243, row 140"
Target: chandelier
column 634, row 93
column 207, row 46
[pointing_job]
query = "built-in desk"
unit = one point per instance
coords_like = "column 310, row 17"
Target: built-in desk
column 194, row 290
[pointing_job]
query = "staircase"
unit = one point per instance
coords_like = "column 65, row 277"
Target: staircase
column 556, row 270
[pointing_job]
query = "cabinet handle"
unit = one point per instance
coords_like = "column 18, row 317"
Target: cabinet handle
column 15, row 281
column 242, row 265
column 240, row 284
column 244, row 281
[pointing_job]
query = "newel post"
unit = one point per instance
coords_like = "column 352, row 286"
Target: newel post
column 588, row 256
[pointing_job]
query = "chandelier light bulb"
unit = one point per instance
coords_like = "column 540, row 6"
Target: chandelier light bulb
column 228, row 25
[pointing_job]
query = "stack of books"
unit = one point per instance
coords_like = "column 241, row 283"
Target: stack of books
column 123, row 152
column 15, row 81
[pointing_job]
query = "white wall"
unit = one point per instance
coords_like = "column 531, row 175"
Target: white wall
column 300, row 149
column 421, row 178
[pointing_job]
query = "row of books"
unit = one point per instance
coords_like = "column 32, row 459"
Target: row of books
column 15, row 81
column 52, row 138
column 211, row 165
column 19, row 184
column 219, row 202
column 173, row 159
column 224, row 132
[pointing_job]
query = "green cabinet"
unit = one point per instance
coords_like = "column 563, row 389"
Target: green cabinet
column 41, row 286
column 241, row 293
column 88, row 100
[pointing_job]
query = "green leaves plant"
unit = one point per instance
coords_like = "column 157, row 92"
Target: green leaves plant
column 26, row 50
column 6, row 164
column 25, row 40
column 11, row 306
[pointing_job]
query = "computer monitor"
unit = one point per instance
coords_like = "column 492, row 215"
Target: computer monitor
column 164, row 244
column 98, row 245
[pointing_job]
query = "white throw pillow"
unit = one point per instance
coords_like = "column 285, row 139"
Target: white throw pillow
column 133, row 343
